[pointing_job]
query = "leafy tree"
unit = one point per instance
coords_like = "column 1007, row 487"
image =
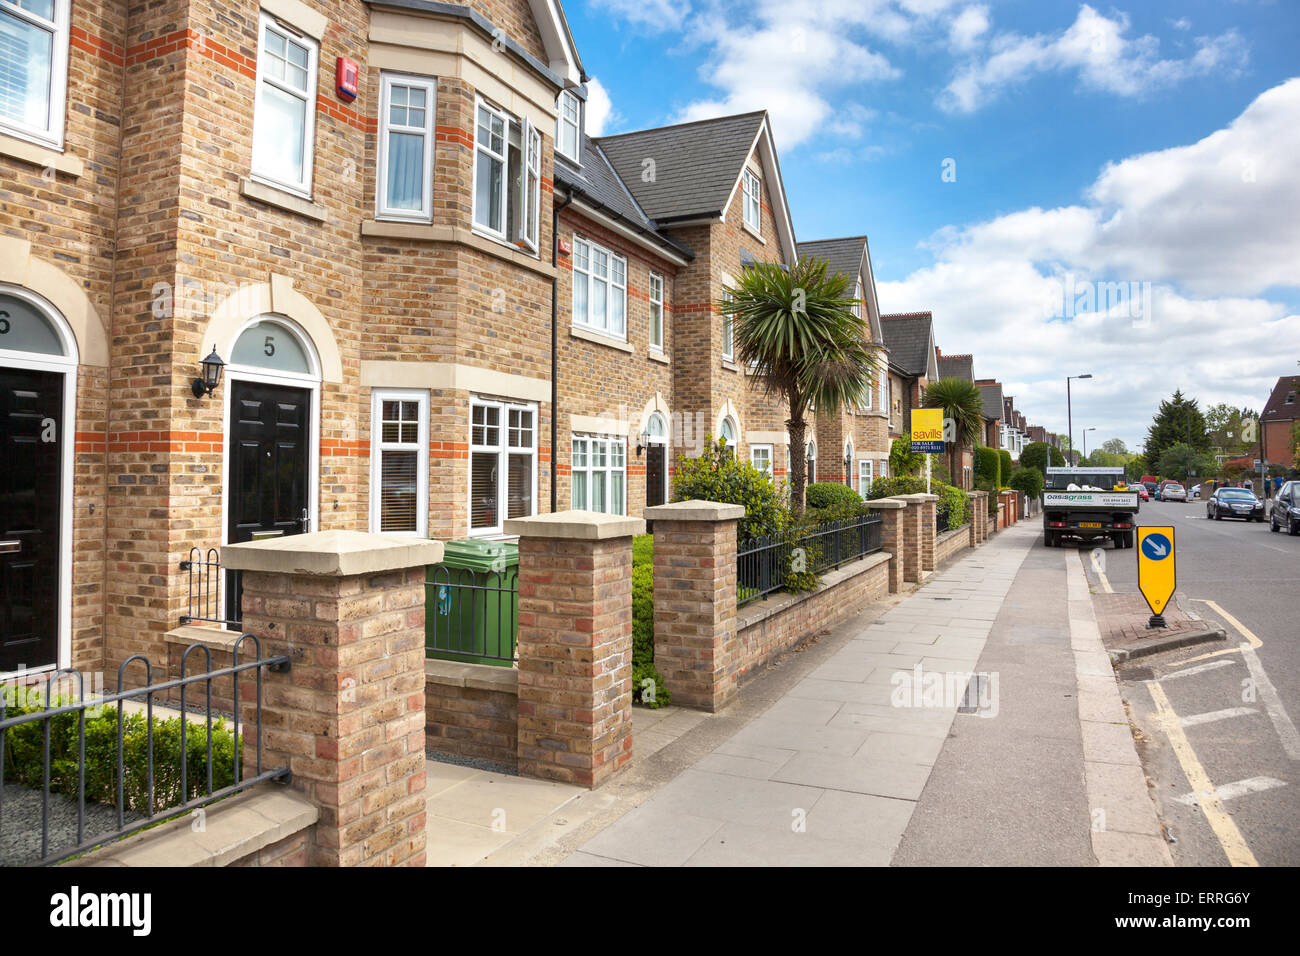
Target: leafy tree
column 1114, row 446
column 1180, row 461
column 798, row 331
column 1228, row 430
column 902, row 460
column 1136, row 468
column 1039, row 454
column 1295, row 445
column 1028, row 480
column 1179, row 420
column 962, row 405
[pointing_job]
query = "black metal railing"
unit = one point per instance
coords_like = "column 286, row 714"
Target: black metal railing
column 113, row 759
column 940, row 520
column 763, row 564
column 204, row 569
column 471, row 616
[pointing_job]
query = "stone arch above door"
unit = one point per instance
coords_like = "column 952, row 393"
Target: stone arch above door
column 20, row 267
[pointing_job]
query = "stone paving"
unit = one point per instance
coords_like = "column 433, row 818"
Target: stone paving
column 831, row 773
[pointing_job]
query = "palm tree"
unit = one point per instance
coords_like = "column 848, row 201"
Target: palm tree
column 799, row 331
column 962, row 405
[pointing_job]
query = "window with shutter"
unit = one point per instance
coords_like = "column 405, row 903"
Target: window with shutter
column 399, row 479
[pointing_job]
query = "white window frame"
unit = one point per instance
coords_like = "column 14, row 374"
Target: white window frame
column 430, row 87
column 751, row 198
column 52, row 133
column 656, row 303
column 378, row 446
column 810, row 458
column 734, row 444
column 503, row 451
column 561, row 122
column 528, row 199
column 590, row 277
column 265, row 21
column 611, row 443
column 771, row 464
column 866, row 475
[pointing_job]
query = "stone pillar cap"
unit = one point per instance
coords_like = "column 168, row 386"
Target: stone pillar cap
column 977, row 494
column 886, row 503
column 695, row 510
column 920, row 496
column 334, row 553
column 577, row 525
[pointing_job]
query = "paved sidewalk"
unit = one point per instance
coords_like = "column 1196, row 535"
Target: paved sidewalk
column 831, row 773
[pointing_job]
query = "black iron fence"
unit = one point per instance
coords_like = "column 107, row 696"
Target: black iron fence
column 120, row 770
column 471, row 615
column 204, row 570
column 766, row 563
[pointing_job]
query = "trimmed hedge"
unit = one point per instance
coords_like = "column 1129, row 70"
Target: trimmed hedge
column 831, row 494
column 1008, row 466
column 893, row 485
column 1028, row 480
column 988, row 466
column 953, row 502
column 643, row 623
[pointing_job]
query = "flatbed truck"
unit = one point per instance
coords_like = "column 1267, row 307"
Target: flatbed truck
column 1089, row 503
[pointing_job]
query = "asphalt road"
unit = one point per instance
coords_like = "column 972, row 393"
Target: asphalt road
column 1222, row 715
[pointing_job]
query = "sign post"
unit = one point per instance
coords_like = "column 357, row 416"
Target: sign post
column 927, row 436
column 1157, row 570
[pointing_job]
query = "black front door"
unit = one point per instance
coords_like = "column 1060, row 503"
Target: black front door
column 31, row 430
column 267, row 465
column 655, row 492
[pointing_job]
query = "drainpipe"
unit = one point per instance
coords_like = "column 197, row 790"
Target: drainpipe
column 555, row 343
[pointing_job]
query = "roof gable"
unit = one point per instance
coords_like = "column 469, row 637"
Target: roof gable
column 910, row 339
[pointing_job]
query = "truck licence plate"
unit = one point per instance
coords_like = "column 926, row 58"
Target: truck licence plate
column 1089, row 524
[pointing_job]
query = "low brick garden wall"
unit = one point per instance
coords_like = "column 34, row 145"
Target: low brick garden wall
column 768, row 628
column 950, row 543
column 472, row 710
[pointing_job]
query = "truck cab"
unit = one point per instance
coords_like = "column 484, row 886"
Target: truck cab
column 1088, row 503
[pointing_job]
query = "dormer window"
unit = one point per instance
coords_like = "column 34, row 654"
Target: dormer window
column 753, row 209
column 568, row 125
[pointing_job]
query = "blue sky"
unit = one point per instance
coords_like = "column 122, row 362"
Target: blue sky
column 1146, row 144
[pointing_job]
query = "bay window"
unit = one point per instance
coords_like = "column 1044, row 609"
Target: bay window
column 399, row 462
column 34, row 68
column 507, row 176
column 405, row 171
column 599, row 471
column 599, row 289
column 284, row 115
column 502, row 464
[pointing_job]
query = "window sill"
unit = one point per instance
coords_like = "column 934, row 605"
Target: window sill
column 272, row 196
column 588, row 336
column 427, row 232
column 504, row 243
column 46, row 157
column 658, row 356
column 730, row 366
column 753, row 232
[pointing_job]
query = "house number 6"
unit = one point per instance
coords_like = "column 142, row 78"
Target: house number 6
column 4, row 323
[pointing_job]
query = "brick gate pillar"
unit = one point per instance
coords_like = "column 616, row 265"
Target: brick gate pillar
column 695, row 600
column 928, row 506
column 575, row 644
column 347, row 609
column 892, row 512
column 978, row 510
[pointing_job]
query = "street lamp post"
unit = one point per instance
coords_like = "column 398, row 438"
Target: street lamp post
column 1069, row 412
column 1085, row 440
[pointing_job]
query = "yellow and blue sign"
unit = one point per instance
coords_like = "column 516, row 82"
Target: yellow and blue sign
column 1157, row 567
column 927, row 430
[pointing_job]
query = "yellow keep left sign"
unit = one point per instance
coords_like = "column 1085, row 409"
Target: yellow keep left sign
column 927, row 430
column 1157, row 570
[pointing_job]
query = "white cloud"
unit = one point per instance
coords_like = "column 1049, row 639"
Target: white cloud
column 654, row 16
column 1098, row 49
column 1207, row 248
column 601, row 114
column 971, row 24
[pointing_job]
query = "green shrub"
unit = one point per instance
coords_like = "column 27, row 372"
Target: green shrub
column 992, row 499
column 1004, row 474
column 902, row 460
column 831, row 497
column 23, row 759
column 988, row 466
column 952, row 502
column 1028, row 480
column 1039, row 454
column 892, row 485
column 717, row 475
column 643, row 623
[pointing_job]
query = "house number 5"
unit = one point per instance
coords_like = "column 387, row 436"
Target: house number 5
column 269, row 349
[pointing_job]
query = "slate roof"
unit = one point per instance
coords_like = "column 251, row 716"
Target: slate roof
column 907, row 336
column 1276, row 409
column 696, row 164
column 597, row 183
column 957, row 366
column 843, row 256
column 992, row 396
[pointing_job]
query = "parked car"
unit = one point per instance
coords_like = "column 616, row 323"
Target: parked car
column 1285, row 512
column 1234, row 503
column 1172, row 491
column 1196, row 491
column 1142, row 491
column 1152, row 486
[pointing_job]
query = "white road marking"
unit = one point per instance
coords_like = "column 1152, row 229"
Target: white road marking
column 1199, row 668
column 1272, row 703
column 1211, row 716
column 1238, row 788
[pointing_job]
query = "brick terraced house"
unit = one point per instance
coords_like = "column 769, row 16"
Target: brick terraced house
column 437, row 302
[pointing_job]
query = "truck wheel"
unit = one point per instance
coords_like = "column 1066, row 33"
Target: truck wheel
column 1130, row 539
column 1048, row 540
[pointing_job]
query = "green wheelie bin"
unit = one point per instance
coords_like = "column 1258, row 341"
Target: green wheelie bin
column 471, row 603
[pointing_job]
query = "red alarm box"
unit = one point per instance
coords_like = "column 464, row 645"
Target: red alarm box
column 346, row 84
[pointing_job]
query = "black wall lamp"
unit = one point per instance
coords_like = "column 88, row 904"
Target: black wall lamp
column 212, row 366
column 641, row 441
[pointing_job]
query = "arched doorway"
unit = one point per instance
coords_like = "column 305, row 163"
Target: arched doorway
column 728, row 435
column 848, row 462
column 272, row 436
column 656, row 460
column 812, row 461
column 38, row 388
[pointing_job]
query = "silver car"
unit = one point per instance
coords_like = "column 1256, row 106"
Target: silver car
column 1174, row 492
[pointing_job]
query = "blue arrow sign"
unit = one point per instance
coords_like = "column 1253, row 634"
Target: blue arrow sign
column 1157, row 547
